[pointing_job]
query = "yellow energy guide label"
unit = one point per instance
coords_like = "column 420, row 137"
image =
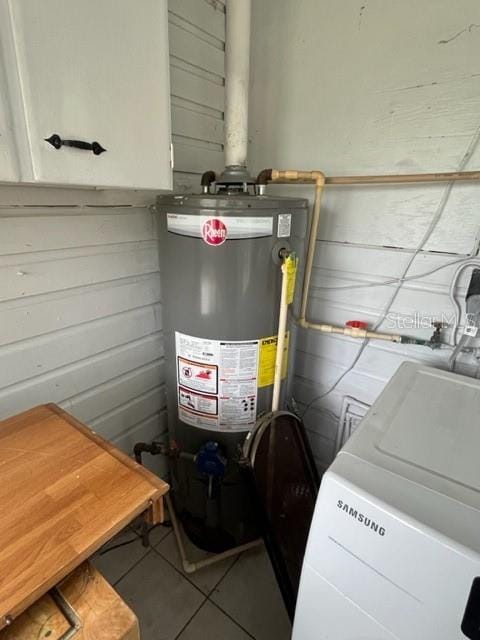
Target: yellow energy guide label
column 266, row 359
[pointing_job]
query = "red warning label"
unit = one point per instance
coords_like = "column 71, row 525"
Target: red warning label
column 198, row 376
column 197, row 402
column 217, row 382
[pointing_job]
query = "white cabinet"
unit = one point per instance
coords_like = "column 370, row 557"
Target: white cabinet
column 9, row 169
column 86, row 71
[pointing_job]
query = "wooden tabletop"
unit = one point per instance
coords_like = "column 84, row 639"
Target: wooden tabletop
column 64, row 492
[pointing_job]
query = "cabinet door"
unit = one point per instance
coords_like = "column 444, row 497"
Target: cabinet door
column 8, row 160
column 9, row 170
column 93, row 71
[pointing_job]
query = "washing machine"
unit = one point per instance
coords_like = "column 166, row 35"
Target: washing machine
column 393, row 551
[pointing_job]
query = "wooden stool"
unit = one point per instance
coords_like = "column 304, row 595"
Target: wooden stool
column 82, row 607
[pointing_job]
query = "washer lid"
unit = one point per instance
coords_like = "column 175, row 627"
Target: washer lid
column 424, row 427
column 436, row 426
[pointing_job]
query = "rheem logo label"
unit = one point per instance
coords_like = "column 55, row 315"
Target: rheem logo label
column 214, row 232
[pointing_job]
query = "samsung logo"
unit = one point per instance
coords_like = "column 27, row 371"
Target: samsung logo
column 361, row 517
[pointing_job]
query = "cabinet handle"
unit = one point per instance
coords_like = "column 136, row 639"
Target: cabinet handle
column 56, row 141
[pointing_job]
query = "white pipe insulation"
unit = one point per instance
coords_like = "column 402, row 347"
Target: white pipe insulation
column 282, row 327
column 237, row 74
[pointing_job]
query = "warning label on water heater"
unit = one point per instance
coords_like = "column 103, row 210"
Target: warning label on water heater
column 217, row 382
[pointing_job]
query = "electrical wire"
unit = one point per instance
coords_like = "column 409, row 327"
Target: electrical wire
column 117, row 546
column 453, row 358
column 383, row 283
column 426, row 236
column 293, row 407
column 338, row 380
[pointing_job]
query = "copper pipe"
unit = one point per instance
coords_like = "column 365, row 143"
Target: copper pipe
column 317, row 177
column 401, row 178
column 405, row 178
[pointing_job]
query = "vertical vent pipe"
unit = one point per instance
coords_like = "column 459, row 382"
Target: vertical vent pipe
column 237, row 72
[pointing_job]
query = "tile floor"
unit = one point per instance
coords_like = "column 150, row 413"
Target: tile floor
column 237, row 599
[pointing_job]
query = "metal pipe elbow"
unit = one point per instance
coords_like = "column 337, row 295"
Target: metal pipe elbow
column 264, row 177
column 207, row 178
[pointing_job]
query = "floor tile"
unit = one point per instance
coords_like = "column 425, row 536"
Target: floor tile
column 211, row 623
column 249, row 593
column 158, row 533
column 114, row 564
column 160, row 596
column 205, row 579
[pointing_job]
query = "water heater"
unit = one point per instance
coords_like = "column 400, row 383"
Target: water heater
column 220, row 265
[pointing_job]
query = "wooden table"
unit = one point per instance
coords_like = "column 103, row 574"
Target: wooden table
column 99, row 610
column 64, row 492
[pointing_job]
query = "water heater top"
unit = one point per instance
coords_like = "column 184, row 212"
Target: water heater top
column 227, row 202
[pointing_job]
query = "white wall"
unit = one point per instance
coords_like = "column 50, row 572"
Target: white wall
column 80, row 312
column 197, row 45
column 359, row 87
column 80, row 294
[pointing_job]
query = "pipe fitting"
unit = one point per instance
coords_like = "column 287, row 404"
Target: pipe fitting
column 159, row 448
column 293, row 175
column 154, row 448
column 354, row 332
column 264, row 177
column 351, row 332
column 207, row 178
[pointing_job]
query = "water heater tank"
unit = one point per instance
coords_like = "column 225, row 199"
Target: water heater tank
column 221, row 279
